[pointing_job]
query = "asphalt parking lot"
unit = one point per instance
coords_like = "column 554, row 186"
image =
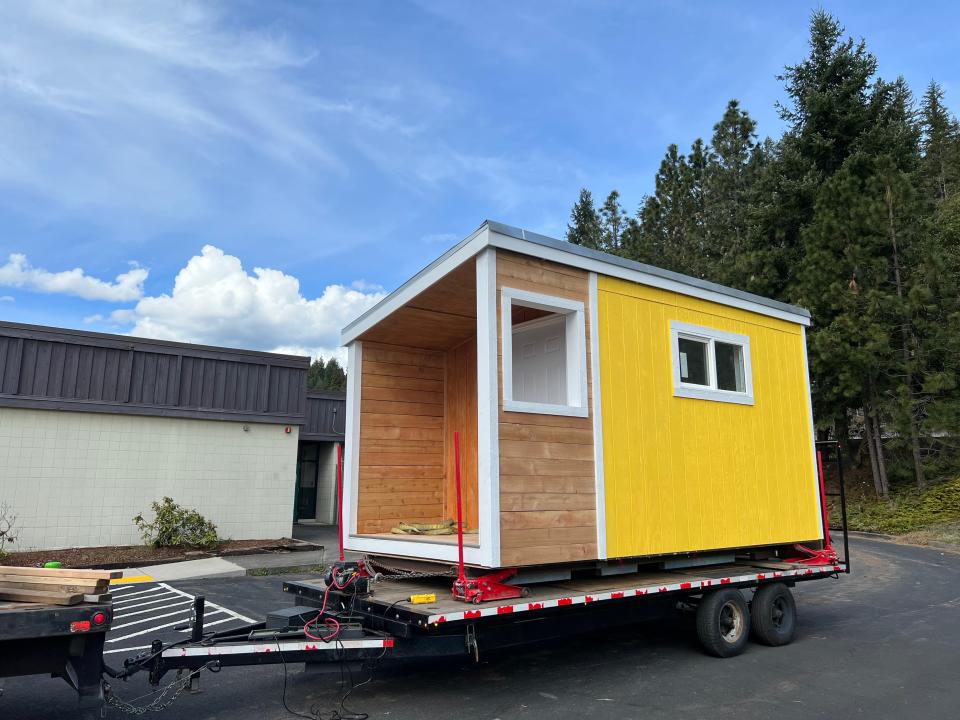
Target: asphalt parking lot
column 881, row 643
column 144, row 612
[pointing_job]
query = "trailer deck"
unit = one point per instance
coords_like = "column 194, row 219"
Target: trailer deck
column 390, row 596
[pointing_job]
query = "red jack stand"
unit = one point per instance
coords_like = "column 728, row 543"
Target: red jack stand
column 826, row 556
column 485, row 587
column 488, row 587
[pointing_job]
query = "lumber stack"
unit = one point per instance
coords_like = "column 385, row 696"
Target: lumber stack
column 60, row 586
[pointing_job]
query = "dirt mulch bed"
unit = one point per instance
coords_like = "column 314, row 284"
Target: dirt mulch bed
column 135, row 555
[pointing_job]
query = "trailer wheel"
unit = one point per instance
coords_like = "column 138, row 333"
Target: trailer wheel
column 723, row 622
column 774, row 615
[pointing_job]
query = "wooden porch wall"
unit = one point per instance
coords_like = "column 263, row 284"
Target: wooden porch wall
column 461, row 406
column 401, row 471
column 547, row 484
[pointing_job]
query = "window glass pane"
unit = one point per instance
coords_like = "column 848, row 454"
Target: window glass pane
column 693, row 361
column 729, row 367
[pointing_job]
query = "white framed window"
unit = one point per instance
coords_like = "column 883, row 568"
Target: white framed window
column 710, row 364
column 544, row 354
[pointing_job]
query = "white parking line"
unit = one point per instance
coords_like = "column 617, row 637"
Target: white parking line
column 185, row 615
column 209, row 604
column 115, row 588
column 215, row 622
column 169, row 602
column 128, row 598
column 166, row 597
column 129, row 649
column 117, row 616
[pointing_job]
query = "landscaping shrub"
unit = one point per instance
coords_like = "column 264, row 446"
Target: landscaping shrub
column 174, row 525
column 906, row 511
column 8, row 529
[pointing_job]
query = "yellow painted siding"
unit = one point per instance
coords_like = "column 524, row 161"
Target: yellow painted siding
column 684, row 474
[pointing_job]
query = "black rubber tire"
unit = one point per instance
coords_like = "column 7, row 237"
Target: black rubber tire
column 723, row 622
column 773, row 615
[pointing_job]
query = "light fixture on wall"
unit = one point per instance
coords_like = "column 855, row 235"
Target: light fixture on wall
column 246, row 428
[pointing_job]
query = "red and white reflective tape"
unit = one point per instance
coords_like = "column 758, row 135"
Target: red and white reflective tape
column 272, row 647
column 691, row 584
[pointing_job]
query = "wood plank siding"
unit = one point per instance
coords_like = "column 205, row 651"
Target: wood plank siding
column 401, row 437
column 547, row 482
column 461, row 406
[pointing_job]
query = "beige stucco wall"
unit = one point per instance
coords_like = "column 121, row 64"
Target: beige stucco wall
column 76, row 479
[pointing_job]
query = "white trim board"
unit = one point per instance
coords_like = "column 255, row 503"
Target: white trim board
column 813, row 438
column 487, row 235
column 597, row 419
column 488, row 410
column 351, row 454
column 415, row 549
column 574, row 322
column 563, row 257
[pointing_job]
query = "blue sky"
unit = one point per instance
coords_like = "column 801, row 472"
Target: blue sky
column 257, row 173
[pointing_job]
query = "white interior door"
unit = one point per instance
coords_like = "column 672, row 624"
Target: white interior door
column 540, row 361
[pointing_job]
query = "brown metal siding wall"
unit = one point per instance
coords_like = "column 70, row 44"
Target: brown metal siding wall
column 48, row 368
column 326, row 416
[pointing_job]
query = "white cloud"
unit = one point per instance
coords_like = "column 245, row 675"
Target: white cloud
column 6, row 298
column 216, row 301
column 19, row 273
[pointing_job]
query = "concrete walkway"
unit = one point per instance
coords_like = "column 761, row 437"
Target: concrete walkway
column 325, row 535
column 222, row 567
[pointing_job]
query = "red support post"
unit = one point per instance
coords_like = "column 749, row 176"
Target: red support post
column 340, row 497
column 823, row 501
column 462, row 577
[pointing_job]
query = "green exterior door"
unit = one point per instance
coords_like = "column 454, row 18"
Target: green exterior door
column 307, row 466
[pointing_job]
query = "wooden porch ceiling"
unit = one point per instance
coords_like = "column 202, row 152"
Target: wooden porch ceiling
column 439, row 318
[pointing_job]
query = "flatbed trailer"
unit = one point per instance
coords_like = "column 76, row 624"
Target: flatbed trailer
column 384, row 625
column 64, row 641
column 369, row 611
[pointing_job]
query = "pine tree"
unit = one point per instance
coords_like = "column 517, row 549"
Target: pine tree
column 941, row 145
column 613, row 222
column 734, row 161
column 585, row 227
column 326, row 375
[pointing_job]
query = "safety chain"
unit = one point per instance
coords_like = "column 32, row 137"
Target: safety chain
column 166, row 697
column 395, row 573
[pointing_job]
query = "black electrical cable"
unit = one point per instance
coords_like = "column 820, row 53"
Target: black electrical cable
column 283, row 695
column 393, row 605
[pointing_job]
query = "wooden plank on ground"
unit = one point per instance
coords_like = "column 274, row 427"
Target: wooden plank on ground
column 40, row 596
column 62, row 572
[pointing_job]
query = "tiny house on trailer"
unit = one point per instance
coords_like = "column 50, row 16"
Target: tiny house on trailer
column 607, row 411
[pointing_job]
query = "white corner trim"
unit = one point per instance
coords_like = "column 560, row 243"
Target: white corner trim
column 813, row 438
column 597, row 419
column 576, row 340
column 488, row 410
column 416, row 285
column 526, row 247
column 711, row 391
column 521, row 406
column 351, row 455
